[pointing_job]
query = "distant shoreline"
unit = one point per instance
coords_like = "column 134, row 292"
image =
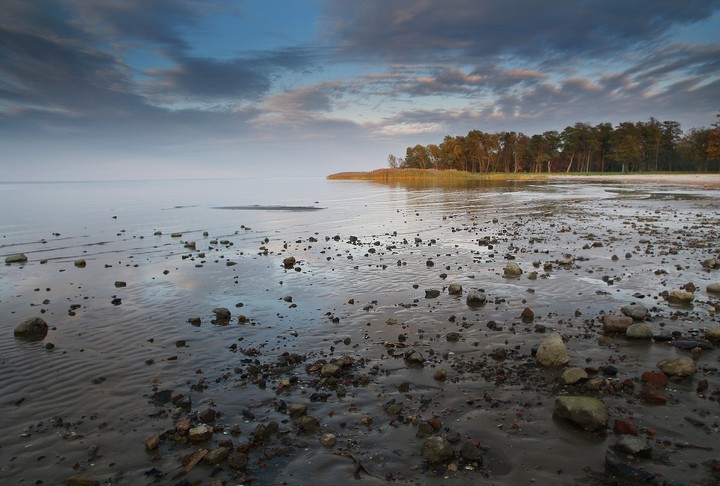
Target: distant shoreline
column 702, row 180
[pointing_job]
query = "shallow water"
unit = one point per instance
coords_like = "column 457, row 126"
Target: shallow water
column 108, row 359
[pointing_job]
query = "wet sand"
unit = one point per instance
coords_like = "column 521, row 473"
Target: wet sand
column 348, row 356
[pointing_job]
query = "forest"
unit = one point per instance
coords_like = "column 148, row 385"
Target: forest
column 627, row 147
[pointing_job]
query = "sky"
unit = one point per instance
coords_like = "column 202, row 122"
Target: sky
column 147, row 89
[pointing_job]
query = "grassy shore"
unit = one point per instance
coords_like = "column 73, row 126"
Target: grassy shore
column 424, row 176
column 433, row 174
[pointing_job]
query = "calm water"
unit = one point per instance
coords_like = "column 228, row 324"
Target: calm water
column 109, row 359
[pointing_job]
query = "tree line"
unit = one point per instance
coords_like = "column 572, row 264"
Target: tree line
column 582, row 147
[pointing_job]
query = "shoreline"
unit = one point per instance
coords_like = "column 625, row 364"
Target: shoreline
column 704, row 181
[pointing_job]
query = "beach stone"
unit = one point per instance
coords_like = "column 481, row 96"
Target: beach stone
column 295, row 410
column 639, row 330
column 222, row 313
column 587, row 412
column 328, row 440
column 620, row 469
column 636, row 311
column 432, row 293
column 681, row 296
column 552, row 351
column 527, row 314
column 712, row 334
column 16, row 258
column 471, row 452
column 475, row 297
column 632, row 444
column 80, row 263
column 714, row 288
column 289, row 262
column 621, row 427
column 237, row 461
column 307, row 423
column 512, row 269
column 455, row 289
column 217, row 455
column 655, row 378
column 614, row 323
column 200, row 433
column 32, row 327
column 436, row 449
column 120, row 283
column 573, row 375
column 691, row 344
column 152, row 442
column 678, row 367
column 329, row 370
column 651, row 394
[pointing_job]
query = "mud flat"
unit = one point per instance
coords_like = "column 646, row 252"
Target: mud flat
column 549, row 333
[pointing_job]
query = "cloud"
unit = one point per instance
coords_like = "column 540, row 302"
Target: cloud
column 409, row 30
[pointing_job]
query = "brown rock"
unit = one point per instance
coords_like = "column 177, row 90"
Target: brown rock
column 655, row 378
column 624, row 427
column 614, row 323
column 651, row 394
column 152, row 442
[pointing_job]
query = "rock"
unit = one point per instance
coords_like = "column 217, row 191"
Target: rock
column 306, row 423
column 471, row 452
column 432, row 293
column 651, row 394
column 237, row 461
column 436, row 449
column 693, row 343
column 712, row 334
column 587, row 412
column 456, row 289
column 573, row 375
column 714, row 288
column 329, row 370
column 222, row 314
column 120, row 283
column 678, row 367
column 80, row 263
column 328, row 440
column 527, row 314
column 32, row 328
column 552, row 351
column 200, row 433
column 632, row 444
column 655, row 378
column 452, row 336
column 512, row 270
column 152, row 442
column 475, row 298
column 621, row 427
column 614, row 323
column 623, row 470
column 636, row 311
column 639, row 330
column 216, row 456
column 295, row 410
column 681, row 297
column 289, row 262
column 16, row 258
